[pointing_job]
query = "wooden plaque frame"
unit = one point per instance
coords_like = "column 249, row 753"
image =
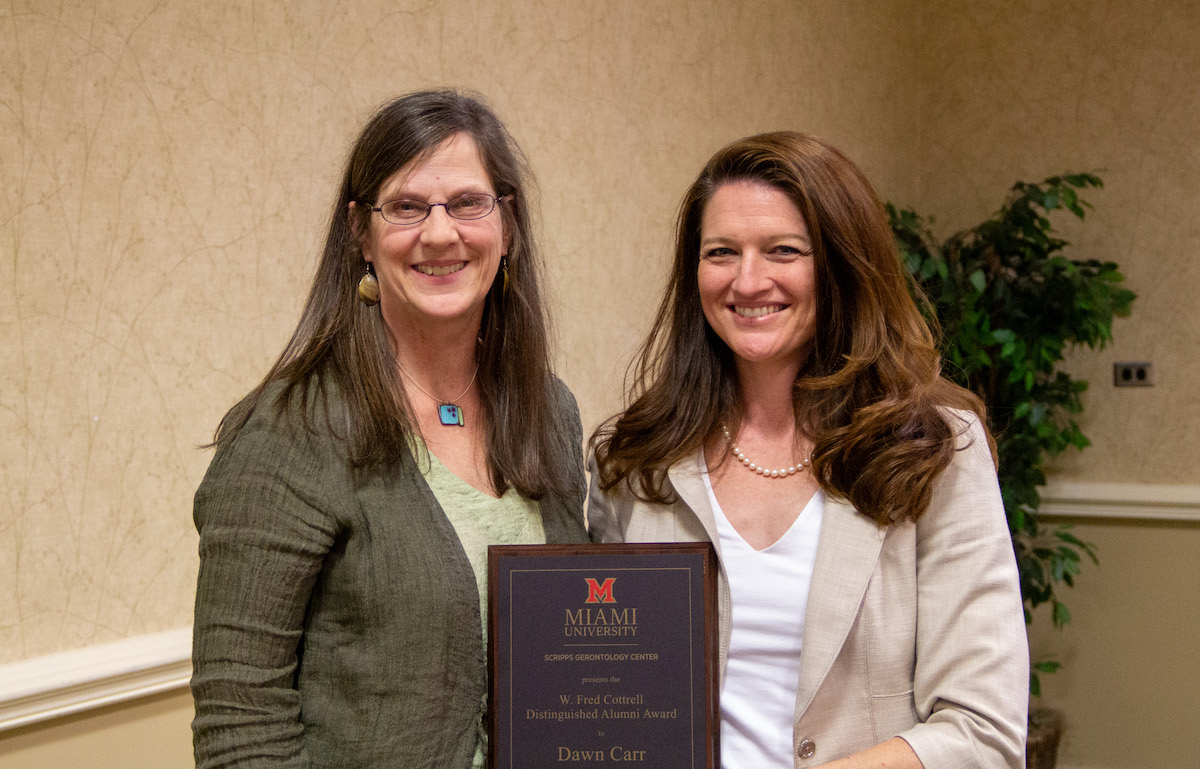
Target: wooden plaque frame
column 603, row 654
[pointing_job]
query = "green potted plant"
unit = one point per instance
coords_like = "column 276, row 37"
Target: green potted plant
column 1009, row 303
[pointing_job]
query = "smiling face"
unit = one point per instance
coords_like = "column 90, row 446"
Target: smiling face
column 756, row 274
column 439, row 270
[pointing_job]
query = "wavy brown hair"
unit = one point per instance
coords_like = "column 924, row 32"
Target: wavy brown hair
column 869, row 394
column 341, row 341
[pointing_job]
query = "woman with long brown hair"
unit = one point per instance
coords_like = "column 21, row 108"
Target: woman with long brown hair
column 411, row 421
column 788, row 407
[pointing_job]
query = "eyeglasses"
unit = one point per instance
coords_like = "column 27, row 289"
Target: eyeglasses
column 468, row 206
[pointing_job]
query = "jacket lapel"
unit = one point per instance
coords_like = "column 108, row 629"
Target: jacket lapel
column 689, row 485
column 846, row 556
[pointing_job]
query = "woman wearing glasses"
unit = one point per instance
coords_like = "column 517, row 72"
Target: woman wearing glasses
column 788, row 408
column 411, row 421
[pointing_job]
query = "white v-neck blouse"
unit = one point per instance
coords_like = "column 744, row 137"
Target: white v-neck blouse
column 769, row 590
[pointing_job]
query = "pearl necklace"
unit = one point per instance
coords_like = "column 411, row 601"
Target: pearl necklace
column 764, row 472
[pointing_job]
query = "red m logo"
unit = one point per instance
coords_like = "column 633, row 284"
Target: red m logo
column 598, row 593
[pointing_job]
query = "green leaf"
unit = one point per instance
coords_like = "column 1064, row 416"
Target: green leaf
column 1011, row 298
column 1062, row 615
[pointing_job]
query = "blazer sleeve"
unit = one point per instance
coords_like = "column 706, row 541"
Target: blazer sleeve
column 262, row 513
column 971, row 682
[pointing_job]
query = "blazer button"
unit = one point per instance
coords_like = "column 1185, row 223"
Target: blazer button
column 807, row 748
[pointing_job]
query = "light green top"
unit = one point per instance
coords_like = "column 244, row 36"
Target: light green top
column 480, row 520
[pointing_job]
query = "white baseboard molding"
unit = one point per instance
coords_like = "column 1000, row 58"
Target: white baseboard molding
column 69, row 682
column 1141, row 501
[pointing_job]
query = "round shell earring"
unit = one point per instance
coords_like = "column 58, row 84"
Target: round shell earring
column 368, row 288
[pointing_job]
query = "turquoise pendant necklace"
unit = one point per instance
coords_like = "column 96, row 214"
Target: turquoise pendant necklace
column 450, row 413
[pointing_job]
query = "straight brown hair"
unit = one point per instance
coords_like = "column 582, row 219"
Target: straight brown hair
column 340, row 341
column 869, row 395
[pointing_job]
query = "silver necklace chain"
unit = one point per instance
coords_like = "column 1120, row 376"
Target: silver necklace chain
column 452, row 401
column 759, row 469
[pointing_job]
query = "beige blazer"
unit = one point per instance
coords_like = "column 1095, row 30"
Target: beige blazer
column 914, row 630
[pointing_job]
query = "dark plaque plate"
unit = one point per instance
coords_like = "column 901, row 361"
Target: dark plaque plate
column 602, row 656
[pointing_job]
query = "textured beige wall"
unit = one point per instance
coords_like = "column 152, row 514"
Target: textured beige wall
column 151, row 733
column 168, row 168
column 1024, row 90
column 1129, row 687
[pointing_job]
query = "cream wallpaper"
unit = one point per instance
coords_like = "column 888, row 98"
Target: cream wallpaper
column 1026, row 90
column 168, row 165
column 167, row 171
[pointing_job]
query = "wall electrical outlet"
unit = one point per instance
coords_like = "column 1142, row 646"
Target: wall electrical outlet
column 1138, row 374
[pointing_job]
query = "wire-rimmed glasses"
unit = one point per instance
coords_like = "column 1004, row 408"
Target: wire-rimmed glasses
column 468, row 206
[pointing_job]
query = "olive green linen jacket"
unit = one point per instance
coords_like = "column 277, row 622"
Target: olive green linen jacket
column 912, row 630
column 337, row 617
